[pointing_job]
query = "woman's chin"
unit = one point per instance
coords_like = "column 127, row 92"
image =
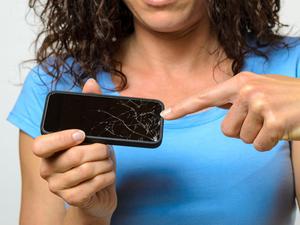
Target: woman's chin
column 163, row 29
column 164, row 25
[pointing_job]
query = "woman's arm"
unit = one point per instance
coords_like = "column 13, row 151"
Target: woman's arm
column 55, row 169
column 38, row 204
column 296, row 165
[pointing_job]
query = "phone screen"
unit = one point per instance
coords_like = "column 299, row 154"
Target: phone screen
column 107, row 117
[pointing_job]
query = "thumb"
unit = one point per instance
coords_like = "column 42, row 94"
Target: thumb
column 91, row 86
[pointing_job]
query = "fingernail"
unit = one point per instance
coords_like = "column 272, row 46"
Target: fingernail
column 165, row 112
column 90, row 80
column 78, row 135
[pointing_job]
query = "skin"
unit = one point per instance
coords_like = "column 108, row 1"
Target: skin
column 55, row 168
column 81, row 175
column 265, row 108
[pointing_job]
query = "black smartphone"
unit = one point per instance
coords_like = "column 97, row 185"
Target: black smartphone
column 113, row 120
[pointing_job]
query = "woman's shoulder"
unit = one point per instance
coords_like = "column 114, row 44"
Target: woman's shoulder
column 282, row 58
column 288, row 46
column 45, row 77
column 28, row 109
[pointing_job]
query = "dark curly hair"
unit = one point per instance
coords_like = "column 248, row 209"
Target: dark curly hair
column 90, row 32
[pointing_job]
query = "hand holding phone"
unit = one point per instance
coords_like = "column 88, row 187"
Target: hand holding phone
column 79, row 174
column 114, row 120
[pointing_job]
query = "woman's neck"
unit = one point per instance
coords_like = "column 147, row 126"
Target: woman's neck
column 171, row 54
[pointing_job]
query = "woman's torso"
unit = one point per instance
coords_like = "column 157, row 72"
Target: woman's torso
column 199, row 176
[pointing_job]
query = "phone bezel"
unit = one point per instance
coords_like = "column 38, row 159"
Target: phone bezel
column 106, row 140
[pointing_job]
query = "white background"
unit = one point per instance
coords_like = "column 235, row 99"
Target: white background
column 16, row 37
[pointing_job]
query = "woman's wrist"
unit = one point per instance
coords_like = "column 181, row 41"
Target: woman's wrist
column 77, row 216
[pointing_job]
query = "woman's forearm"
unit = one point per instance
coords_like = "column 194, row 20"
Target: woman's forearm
column 75, row 216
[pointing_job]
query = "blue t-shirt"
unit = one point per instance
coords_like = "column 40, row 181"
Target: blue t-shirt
column 197, row 176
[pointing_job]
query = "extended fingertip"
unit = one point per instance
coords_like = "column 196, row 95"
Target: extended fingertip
column 91, row 86
column 78, row 135
column 91, row 80
column 166, row 113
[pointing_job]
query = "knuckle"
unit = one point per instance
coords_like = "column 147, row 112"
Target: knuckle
column 228, row 131
column 244, row 77
column 258, row 106
column 247, row 91
column 52, row 185
column 76, row 198
column 273, row 139
column 103, row 149
column 275, row 129
column 106, row 179
column 62, row 138
column 85, row 169
column 274, row 125
column 71, row 197
column 99, row 180
column 75, row 155
column 45, row 170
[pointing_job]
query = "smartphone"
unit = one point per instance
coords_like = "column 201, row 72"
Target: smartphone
column 113, row 120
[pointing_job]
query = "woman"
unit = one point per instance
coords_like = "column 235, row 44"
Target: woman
column 168, row 50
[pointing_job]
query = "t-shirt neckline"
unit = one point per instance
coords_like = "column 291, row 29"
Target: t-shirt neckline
column 190, row 120
column 195, row 119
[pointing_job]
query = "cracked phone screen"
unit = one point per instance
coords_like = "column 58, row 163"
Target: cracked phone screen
column 105, row 116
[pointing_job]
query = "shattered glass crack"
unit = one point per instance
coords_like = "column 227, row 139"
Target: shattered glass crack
column 127, row 119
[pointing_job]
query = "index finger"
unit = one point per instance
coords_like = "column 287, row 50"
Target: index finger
column 48, row 144
column 215, row 96
column 91, row 86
